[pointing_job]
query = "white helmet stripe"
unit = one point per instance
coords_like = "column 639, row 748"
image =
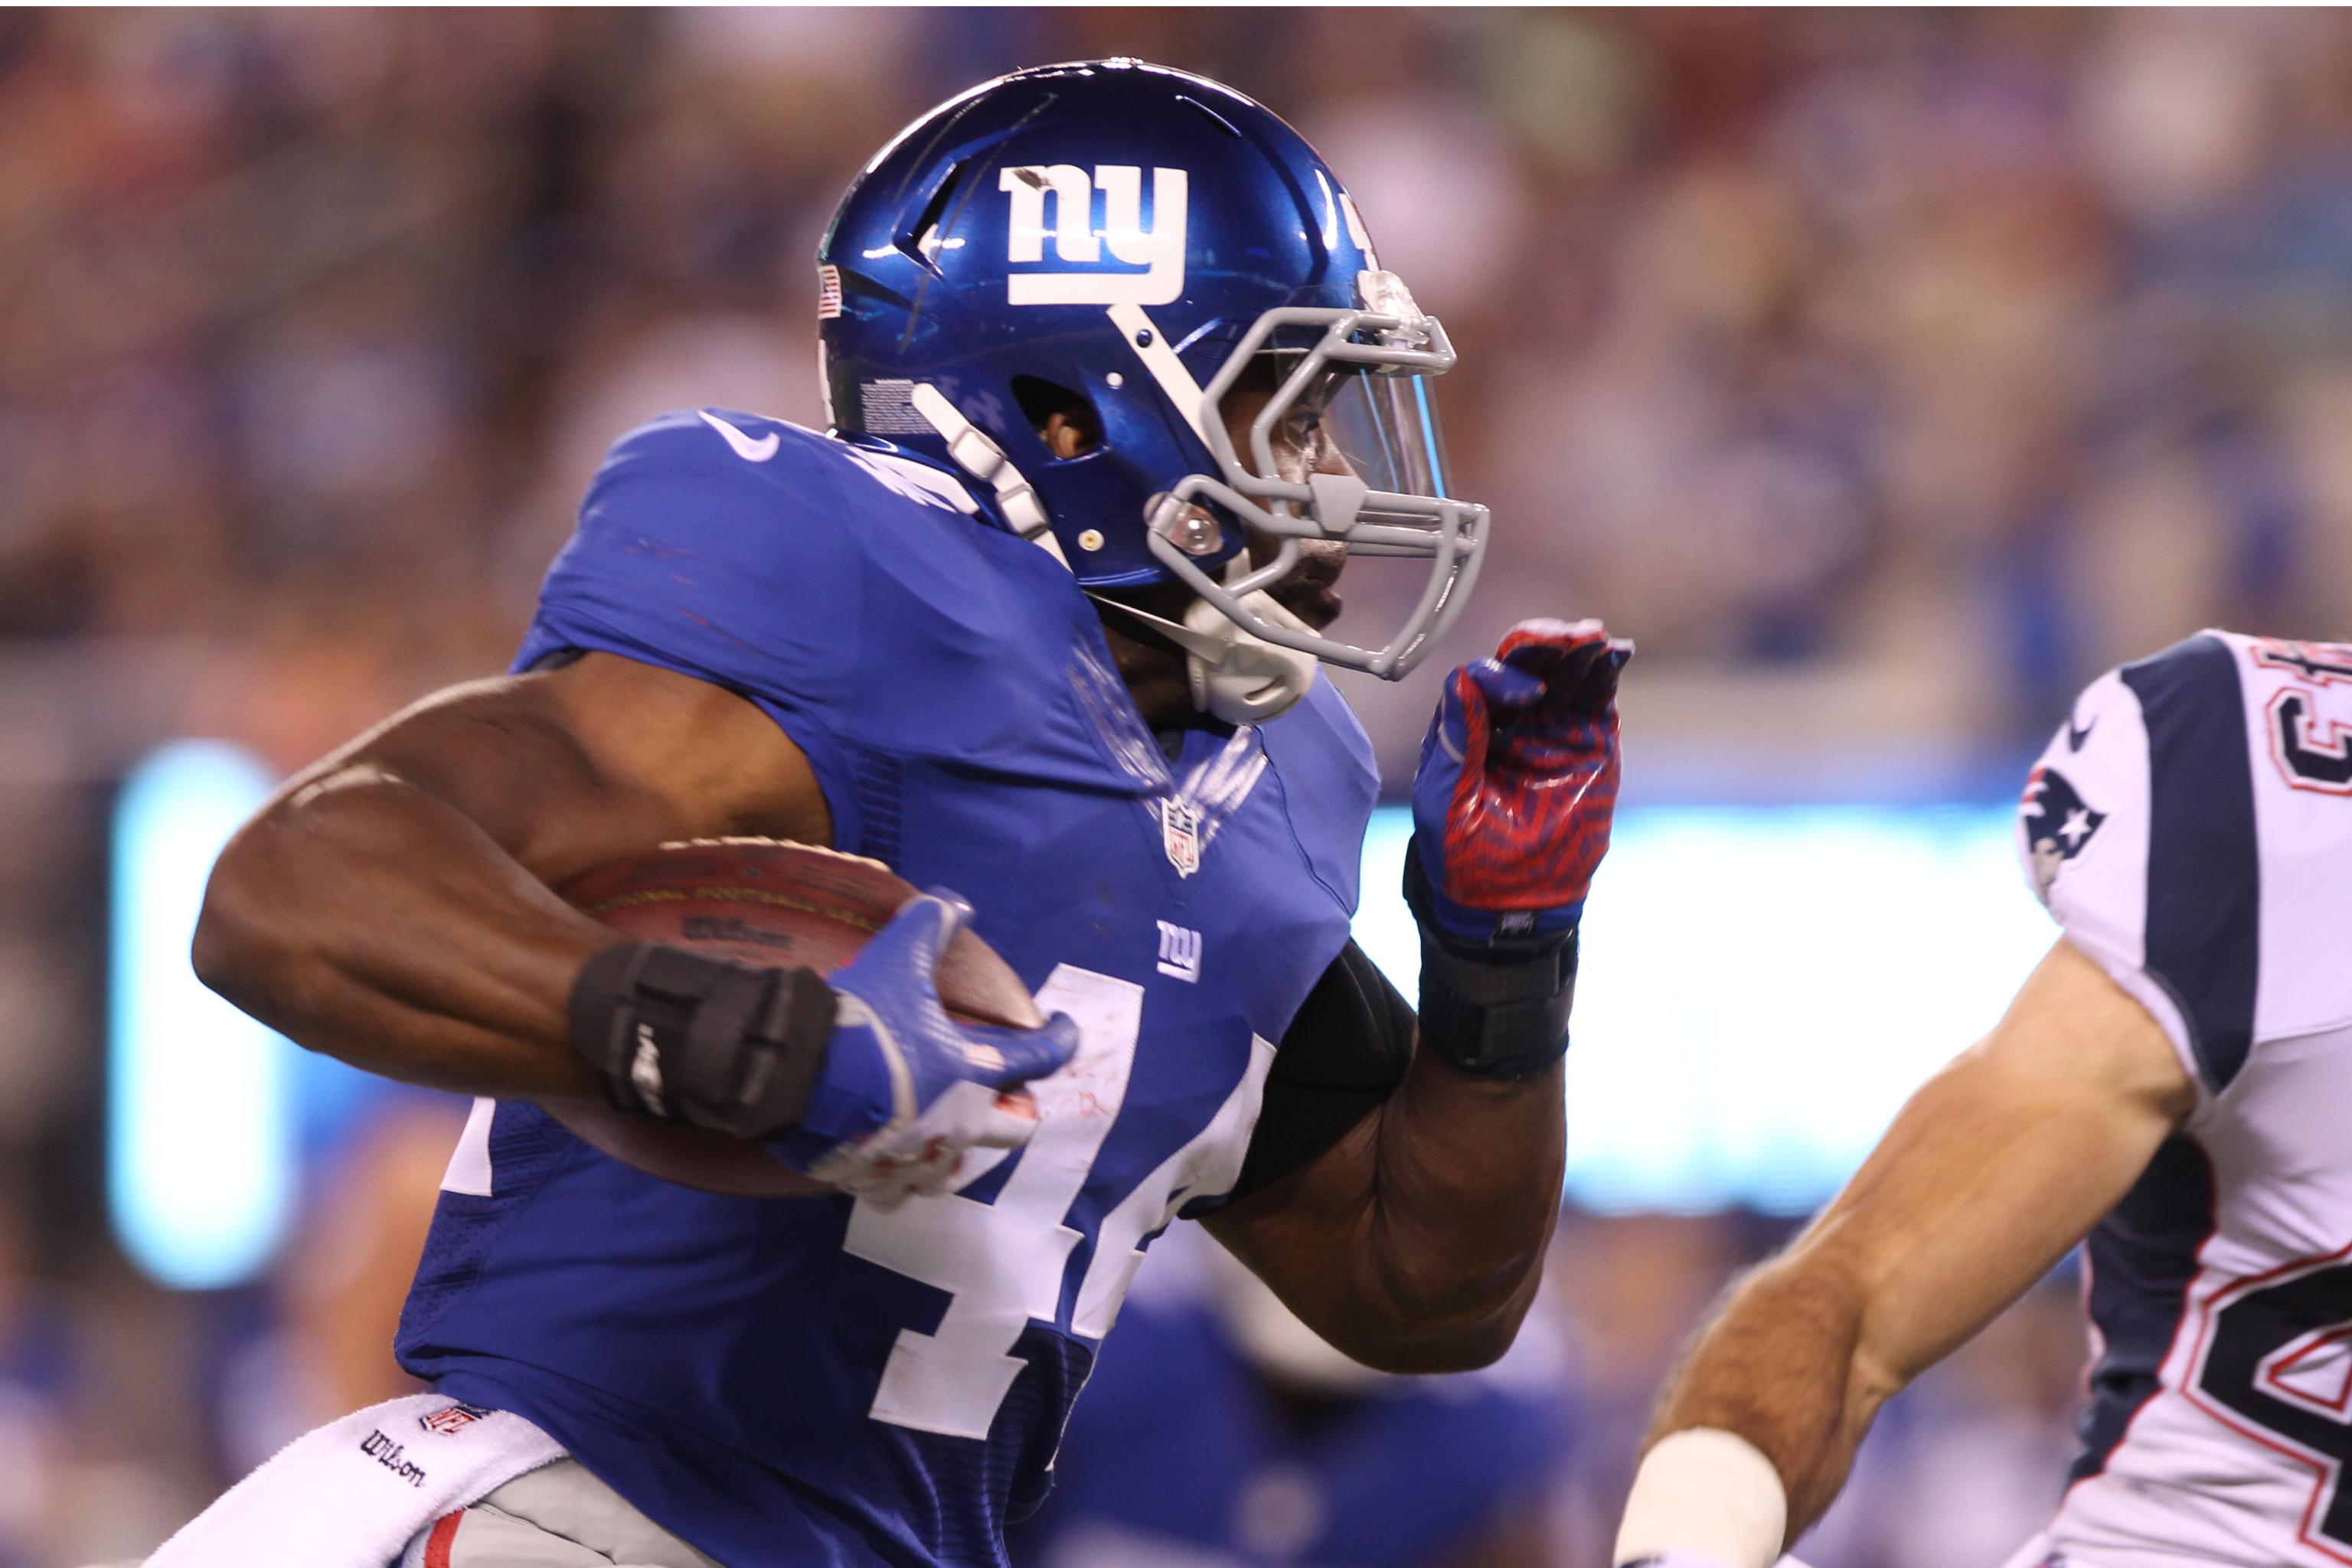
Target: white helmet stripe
column 1159, row 356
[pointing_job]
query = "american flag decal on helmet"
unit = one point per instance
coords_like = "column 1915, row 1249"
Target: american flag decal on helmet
column 828, row 291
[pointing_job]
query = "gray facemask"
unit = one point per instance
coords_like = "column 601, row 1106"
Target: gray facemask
column 1367, row 370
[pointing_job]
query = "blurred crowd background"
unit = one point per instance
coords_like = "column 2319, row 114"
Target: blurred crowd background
column 1886, row 375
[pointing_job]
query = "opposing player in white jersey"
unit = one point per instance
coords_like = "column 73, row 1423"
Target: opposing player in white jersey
column 2175, row 1081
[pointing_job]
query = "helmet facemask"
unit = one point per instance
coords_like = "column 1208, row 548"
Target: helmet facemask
column 1362, row 375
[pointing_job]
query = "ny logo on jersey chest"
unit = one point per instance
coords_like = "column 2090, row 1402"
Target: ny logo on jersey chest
column 1180, row 953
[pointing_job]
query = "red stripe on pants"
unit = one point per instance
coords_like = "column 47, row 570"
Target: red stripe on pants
column 444, row 1537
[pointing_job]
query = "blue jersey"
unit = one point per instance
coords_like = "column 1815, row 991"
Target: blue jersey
column 814, row 1380
column 1182, row 1456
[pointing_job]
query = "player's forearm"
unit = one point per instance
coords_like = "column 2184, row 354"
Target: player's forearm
column 1994, row 1169
column 1416, row 1243
column 1465, row 1190
column 1786, row 1367
column 376, row 923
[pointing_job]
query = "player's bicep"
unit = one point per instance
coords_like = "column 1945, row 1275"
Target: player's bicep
column 573, row 766
column 1341, row 1059
column 2000, row 1163
column 1307, row 1182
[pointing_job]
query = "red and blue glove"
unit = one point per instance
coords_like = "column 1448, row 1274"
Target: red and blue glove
column 1511, row 811
column 1518, row 780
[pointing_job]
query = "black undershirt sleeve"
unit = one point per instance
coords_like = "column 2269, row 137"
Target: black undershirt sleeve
column 1343, row 1055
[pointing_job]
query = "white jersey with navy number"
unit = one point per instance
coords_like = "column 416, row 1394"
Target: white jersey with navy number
column 786, row 1385
column 2191, row 825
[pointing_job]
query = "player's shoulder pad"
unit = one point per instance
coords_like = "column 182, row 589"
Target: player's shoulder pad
column 2298, row 697
column 2137, row 828
column 1327, row 713
column 733, row 492
column 730, row 502
column 2297, row 733
column 1331, row 781
column 745, row 551
column 753, row 453
column 713, row 441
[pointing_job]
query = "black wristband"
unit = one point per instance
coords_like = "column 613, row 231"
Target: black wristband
column 1495, row 1009
column 688, row 1037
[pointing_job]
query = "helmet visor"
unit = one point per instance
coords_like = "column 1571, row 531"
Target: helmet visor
column 1383, row 425
column 1378, row 424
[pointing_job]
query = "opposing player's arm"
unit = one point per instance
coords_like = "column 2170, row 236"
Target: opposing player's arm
column 1996, row 1167
column 391, row 906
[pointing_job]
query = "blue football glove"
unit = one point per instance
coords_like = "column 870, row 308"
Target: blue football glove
column 1518, row 781
column 903, row 1090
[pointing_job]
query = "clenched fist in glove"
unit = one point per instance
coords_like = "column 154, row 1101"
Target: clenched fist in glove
column 903, row 1090
column 1511, row 811
column 859, row 1079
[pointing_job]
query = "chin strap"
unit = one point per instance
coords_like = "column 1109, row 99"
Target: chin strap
column 1237, row 677
column 984, row 460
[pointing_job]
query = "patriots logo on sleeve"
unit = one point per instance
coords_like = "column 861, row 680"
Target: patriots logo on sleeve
column 2057, row 821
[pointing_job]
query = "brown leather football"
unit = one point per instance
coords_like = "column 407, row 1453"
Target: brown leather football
column 762, row 900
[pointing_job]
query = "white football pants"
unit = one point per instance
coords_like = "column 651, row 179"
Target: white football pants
column 557, row 1515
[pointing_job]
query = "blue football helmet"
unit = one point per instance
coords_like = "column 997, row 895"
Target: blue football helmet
column 1142, row 241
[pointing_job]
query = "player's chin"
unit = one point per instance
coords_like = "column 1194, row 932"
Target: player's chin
column 1316, row 604
column 1311, row 591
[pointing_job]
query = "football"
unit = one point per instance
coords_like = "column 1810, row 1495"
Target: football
column 765, row 902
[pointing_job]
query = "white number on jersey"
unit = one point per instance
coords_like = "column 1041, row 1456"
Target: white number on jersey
column 1004, row 1261
column 2310, row 751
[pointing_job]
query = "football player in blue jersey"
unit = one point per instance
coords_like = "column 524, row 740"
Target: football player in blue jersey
column 1117, row 385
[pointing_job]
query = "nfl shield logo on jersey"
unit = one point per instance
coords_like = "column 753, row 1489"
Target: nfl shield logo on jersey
column 1179, row 830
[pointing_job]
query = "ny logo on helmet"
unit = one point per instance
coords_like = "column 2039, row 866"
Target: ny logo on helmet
column 1160, row 249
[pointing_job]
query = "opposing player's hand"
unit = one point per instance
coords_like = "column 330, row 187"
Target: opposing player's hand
column 903, row 1090
column 1519, row 781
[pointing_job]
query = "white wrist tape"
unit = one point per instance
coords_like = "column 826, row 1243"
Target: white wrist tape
column 1708, row 1494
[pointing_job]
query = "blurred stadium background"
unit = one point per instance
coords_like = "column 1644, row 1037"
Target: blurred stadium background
column 1888, row 375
